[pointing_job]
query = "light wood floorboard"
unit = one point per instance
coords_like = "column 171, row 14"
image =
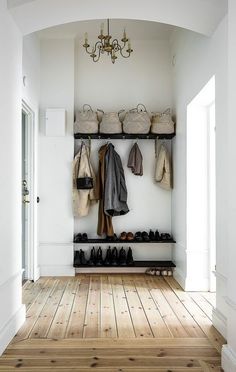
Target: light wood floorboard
column 115, row 323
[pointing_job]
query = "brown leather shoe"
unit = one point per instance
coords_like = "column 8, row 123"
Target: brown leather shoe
column 130, row 236
column 123, row 236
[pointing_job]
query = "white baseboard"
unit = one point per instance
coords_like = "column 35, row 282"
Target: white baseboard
column 57, row 270
column 196, row 284
column 191, row 284
column 179, row 277
column 228, row 359
column 11, row 328
column 219, row 322
column 37, row 273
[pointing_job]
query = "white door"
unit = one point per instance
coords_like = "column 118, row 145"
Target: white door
column 28, row 195
column 25, row 197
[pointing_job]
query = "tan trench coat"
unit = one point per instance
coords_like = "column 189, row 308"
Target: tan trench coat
column 83, row 199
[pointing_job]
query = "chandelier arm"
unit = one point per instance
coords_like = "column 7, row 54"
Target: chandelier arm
column 93, row 50
column 98, row 56
column 121, row 52
column 116, row 42
column 125, row 56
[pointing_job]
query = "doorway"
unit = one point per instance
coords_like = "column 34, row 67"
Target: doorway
column 28, row 194
column 201, row 194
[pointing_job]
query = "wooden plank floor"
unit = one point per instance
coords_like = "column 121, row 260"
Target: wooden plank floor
column 114, row 323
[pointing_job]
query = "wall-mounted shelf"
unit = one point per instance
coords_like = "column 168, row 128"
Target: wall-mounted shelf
column 114, row 242
column 123, row 136
column 160, row 264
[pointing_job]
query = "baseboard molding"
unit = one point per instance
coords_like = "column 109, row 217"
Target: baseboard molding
column 196, row 284
column 219, row 322
column 11, row 278
column 189, row 284
column 37, row 273
column 179, row 277
column 228, row 359
column 57, row 270
column 11, row 328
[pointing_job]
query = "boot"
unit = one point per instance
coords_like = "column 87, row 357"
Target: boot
column 157, row 236
column 99, row 260
column 82, row 258
column 76, row 259
column 130, row 260
column 151, row 235
column 122, row 257
column 114, row 257
column 107, row 260
column 92, row 258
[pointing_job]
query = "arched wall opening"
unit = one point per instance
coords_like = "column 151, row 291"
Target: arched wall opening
column 151, row 75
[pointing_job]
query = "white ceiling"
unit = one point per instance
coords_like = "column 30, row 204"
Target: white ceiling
column 202, row 16
column 13, row 3
column 136, row 30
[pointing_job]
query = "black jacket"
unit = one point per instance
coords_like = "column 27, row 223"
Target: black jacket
column 115, row 195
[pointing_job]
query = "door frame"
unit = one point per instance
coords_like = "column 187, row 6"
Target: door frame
column 31, row 249
column 212, row 194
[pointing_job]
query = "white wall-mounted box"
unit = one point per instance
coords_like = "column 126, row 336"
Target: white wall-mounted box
column 55, row 122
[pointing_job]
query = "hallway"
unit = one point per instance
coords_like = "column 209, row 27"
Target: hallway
column 90, row 320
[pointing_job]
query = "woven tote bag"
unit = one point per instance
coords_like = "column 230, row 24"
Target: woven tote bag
column 137, row 121
column 86, row 120
column 110, row 123
column 162, row 123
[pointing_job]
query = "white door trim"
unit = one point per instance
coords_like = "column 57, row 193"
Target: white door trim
column 31, row 252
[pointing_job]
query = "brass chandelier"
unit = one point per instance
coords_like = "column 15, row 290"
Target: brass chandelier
column 108, row 45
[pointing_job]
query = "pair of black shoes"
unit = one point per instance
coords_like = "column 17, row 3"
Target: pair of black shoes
column 154, row 235
column 80, row 238
column 79, row 258
column 115, row 258
column 95, row 257
column 141, row 236
column 166, row 237
column 112, row 238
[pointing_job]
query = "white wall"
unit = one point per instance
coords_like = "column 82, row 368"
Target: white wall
column 197, row 60
column 12, row 313
column 55, row 160
column 229, row 350
column 146, row 78
column 143, row 78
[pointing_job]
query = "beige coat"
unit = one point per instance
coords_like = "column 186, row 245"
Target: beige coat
column 163, row 171
column 82, row 199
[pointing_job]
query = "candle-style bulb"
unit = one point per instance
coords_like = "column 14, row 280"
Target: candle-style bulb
column 102, row 28
column 86, row 37
column 124, row 34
